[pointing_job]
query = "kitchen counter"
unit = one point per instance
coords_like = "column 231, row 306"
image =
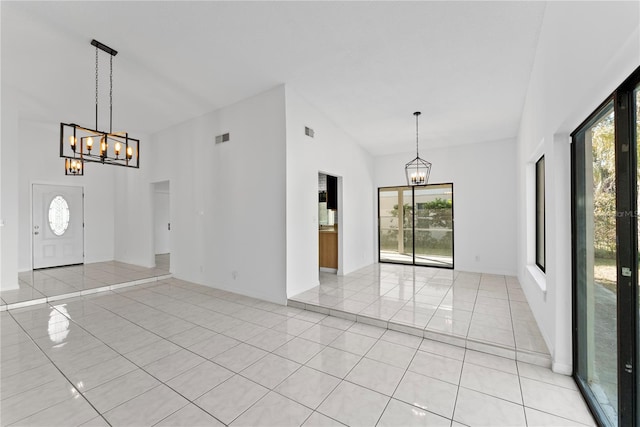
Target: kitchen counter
column 328, row 229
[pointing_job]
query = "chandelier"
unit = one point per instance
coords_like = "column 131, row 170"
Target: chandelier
column 417, row 170
column 80, row 145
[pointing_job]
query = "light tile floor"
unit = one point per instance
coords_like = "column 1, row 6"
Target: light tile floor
column 477, row 311
column 172, row 353
column 49, row 284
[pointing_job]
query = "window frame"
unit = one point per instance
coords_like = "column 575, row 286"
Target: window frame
column 540, row 234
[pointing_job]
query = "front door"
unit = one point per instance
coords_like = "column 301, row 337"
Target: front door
column 58, row 225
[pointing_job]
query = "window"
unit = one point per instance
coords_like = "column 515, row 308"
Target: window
column 606, row 329
column 540, row 222
column 58, row 215
column 416, row 225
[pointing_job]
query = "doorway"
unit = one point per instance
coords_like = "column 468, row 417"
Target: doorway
column 57, row 225
column 162, row 224
column 606, row 301
column 328, row 227
column 415, row 225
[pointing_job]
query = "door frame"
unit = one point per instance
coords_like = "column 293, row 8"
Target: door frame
column 31, row 224
column 340, row 220
column 152, row 188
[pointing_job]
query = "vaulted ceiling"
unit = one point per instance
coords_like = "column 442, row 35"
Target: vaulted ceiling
column 367, row 65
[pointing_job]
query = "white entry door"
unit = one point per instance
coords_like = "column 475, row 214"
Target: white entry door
column 58, row 225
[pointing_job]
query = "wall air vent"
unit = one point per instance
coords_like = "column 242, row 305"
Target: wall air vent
column 308, row 131
column 222, row 138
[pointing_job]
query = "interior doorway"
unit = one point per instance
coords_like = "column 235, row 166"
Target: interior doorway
column 328, row 227
column 57, row 225
column 162, row 224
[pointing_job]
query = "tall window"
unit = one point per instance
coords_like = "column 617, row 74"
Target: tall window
column 540, row 222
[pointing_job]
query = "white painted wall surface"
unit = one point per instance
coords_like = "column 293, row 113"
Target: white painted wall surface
column 333, row 152
column 584, row 52
column 9, row 195
column 228, row 200
column 484, row 195
column 38, row 145
column 133, row 221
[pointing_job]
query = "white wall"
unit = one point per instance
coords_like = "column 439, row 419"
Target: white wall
column 133, row 216
column 40, row 164
column 484, row 195
column 585, row 50
column 8, row 194
column 333, row 152
column 228, row 200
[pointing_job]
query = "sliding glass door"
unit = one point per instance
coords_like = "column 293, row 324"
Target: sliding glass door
column 595, row 219
column 605, row 225
column 416, row 225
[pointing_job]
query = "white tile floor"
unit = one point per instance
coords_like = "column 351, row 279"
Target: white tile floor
column 477, row 311
column 47, row 285
column 172, row 353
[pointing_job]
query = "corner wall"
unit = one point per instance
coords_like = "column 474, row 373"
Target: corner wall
column 484, row 194
column 585, row 50
column 9, row 222
column 334, row 152
column 228, row 200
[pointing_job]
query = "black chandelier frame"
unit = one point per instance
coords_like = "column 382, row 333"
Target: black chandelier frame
column 80, row 145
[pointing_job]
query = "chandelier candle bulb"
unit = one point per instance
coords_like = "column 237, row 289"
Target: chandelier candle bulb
column 116, row 149
column 129, row 153
column 89, row 143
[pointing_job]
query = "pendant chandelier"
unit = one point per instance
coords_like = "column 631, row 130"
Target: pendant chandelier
column 80, row 145
column 417, row 170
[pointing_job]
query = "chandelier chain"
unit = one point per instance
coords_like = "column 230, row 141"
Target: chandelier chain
column 111, row 94
column 417, row 154
column 96, row 87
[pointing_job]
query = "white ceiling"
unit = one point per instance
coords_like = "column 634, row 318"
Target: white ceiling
column 367, row 65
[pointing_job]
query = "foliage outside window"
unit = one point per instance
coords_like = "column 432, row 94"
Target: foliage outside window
column 433, row 228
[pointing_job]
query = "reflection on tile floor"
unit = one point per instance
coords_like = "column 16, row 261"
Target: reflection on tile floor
column 46, row 285
column 172, row 353
column 478, row 311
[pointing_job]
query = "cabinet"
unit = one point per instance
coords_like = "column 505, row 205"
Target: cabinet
column 332, row 192
column 328, row 251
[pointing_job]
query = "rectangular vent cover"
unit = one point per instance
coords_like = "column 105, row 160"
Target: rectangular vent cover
column 308, row 131
column 222, row 138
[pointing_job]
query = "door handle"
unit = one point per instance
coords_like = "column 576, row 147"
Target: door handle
column 169, row 226
column 37, row 232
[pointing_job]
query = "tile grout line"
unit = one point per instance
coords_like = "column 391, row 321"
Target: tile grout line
column 131, row 361
column 61, row 373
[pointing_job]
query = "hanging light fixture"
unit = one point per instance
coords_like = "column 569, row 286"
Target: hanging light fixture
column 417, row 170
column 79, row 145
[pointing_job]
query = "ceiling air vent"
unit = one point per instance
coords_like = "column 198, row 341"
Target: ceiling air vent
column 222, row 138
column 308, row 131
